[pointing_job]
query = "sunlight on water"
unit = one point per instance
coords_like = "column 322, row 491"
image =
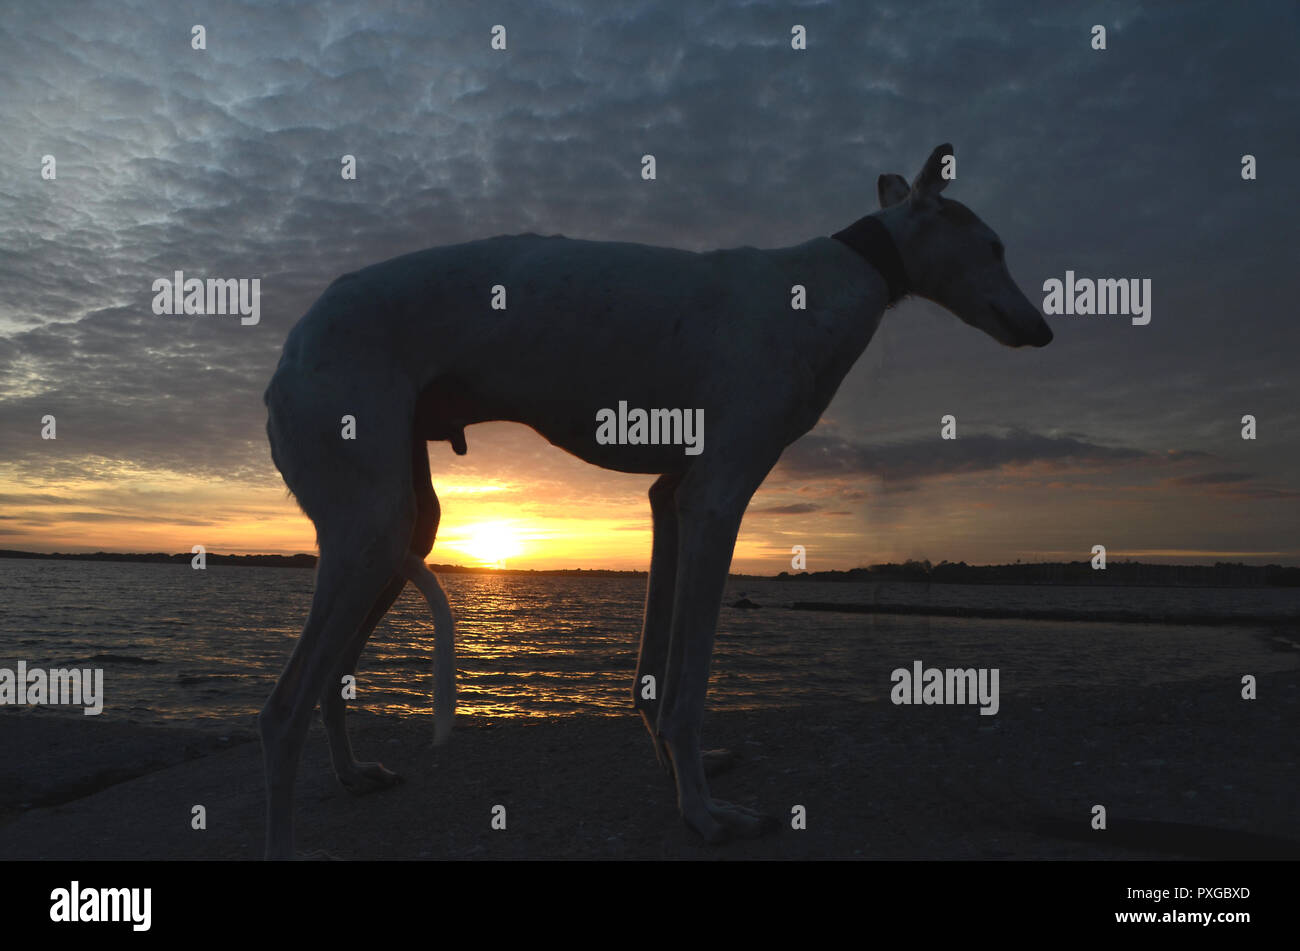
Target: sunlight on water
column 179, row 645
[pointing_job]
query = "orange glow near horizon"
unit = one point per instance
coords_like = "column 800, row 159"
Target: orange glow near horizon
column 484, row 524
column 502, row 512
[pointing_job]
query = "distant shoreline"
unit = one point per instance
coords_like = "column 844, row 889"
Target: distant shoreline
column 302, row 560
column 1057, row 574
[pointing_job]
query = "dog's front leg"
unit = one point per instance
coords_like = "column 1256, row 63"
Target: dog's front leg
column 709, row 512
column 648, row 685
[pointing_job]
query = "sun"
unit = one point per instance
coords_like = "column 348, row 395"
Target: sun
column 492, row 543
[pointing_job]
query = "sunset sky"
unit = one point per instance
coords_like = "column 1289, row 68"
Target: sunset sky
column 1121, row 163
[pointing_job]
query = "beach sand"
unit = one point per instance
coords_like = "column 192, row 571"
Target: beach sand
column 878, row 782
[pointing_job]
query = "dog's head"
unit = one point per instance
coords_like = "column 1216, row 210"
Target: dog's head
column 956, row 260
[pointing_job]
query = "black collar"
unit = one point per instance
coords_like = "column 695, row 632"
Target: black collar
column 869, row 238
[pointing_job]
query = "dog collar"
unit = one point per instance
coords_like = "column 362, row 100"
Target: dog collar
column 869, row 238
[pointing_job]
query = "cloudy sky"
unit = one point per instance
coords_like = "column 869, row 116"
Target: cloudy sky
column 1122, row 163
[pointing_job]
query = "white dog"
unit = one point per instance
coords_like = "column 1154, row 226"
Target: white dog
column 413, row 350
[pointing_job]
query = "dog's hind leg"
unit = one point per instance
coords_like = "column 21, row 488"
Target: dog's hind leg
column 356, row 777
column 357, row 562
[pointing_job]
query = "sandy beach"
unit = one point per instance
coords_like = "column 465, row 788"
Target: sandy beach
column 1186, row 770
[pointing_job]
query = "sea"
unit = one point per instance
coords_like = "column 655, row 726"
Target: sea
column 204, row 647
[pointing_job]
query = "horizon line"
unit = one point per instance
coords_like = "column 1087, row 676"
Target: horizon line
column 911, row 563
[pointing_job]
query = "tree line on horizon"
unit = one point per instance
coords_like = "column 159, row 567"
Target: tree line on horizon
column 1227, row 574
column 1220, row 574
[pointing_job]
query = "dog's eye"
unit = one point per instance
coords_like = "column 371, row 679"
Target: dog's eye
column 998, row 250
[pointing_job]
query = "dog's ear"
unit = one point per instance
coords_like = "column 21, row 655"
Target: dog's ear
column 931, row 181
column 892, row 189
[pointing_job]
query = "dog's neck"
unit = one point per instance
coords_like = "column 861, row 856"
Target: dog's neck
column 871, row 239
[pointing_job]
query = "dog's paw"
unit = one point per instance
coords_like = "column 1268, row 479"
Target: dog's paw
column 741, row 821
column 707, row 828
column 718, row 822
column 365, row 778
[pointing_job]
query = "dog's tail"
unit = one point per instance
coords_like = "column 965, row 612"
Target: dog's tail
column 444, row 646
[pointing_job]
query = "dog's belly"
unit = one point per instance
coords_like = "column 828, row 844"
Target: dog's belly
column 626, row 436
column 621, row 457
